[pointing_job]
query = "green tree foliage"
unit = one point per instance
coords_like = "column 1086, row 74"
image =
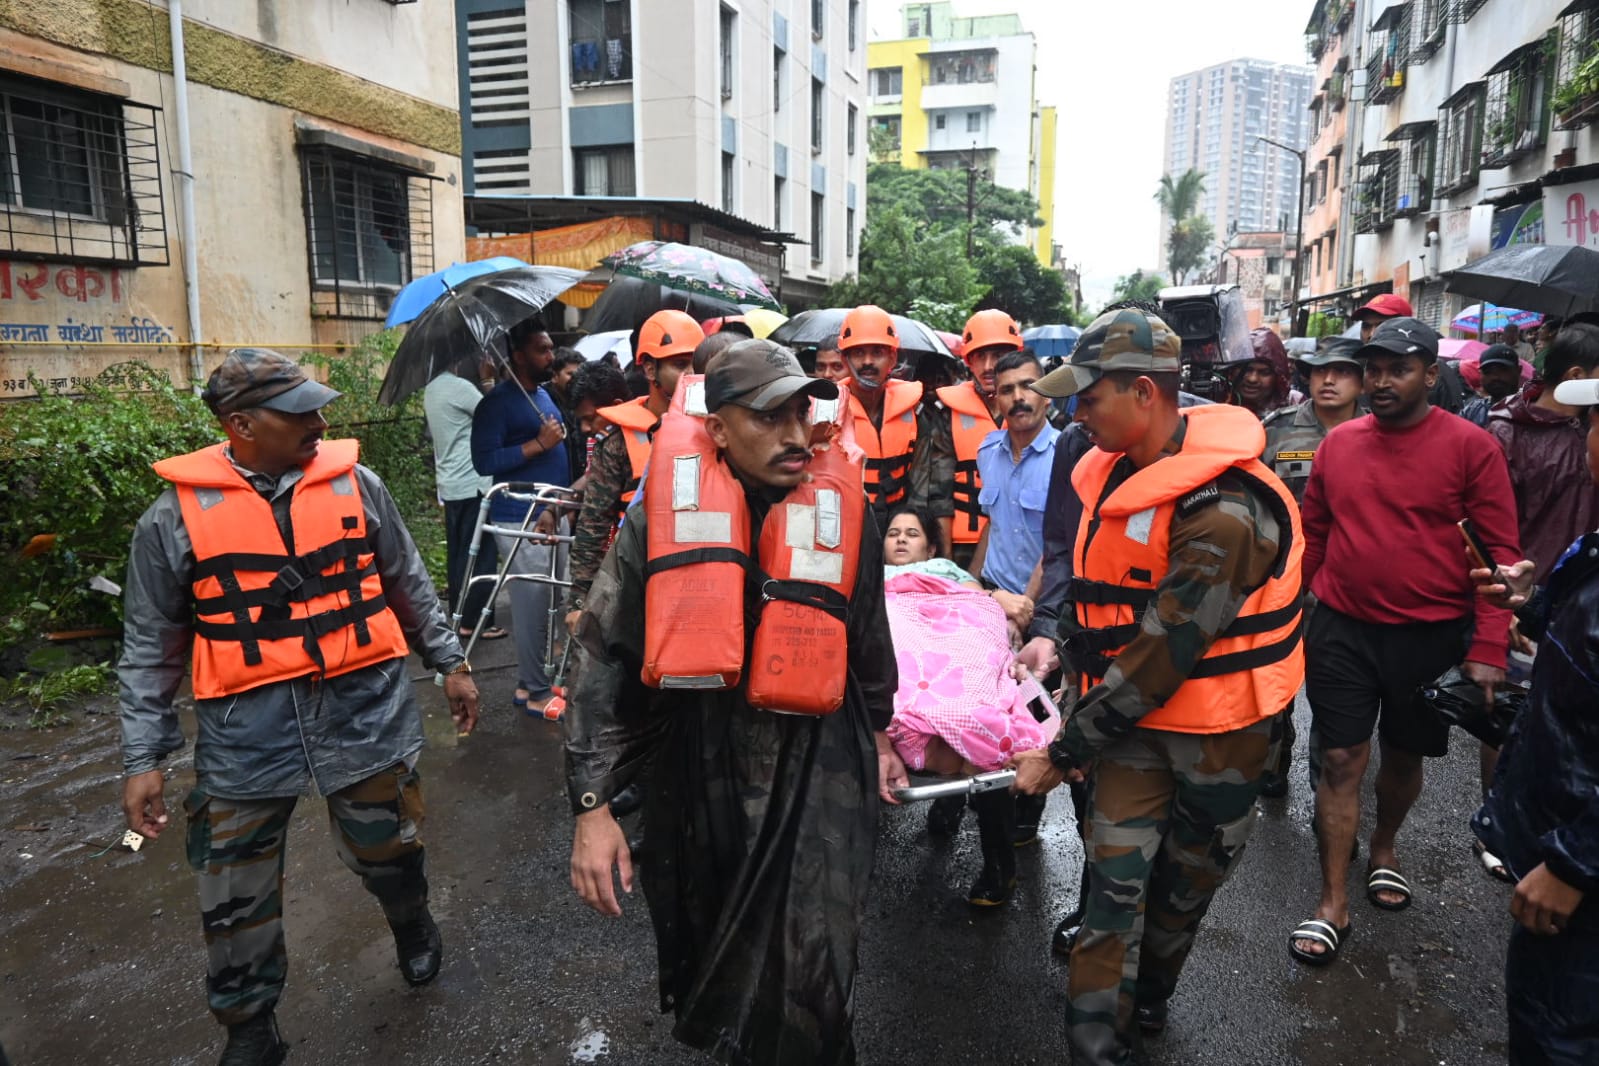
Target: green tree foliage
column 1137, row 286
column 937, row 198
column 903, row 262
column 1019, row 286
column 1191, row 233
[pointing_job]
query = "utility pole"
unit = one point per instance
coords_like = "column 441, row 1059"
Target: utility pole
column 971, row 198
column 1299, row 225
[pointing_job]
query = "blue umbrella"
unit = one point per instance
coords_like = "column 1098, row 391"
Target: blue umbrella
column 1051, row 340
column 416, row 297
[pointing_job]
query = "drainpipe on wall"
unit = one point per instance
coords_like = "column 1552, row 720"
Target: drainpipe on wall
column 1349, row 161
column 185, row 175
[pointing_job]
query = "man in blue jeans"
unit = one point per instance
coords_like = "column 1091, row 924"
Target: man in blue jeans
column 518, row 434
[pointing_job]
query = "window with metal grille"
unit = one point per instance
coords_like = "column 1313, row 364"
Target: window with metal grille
column 851, row 120
column 818, row 96
column 1461, row 10
column 80, row 176
column 601, row 41
column 1460, row 139
column 1416, row 143
column 1429, row 25
column 818, row 226
column 849, row 231
column 1388, row 45
column 369, row 228
column 887, row 81
column 1516, row 115
column 1576, row 94
column 727, row 182
column 779, row 194
column 729, row 25
column 1375, row 190
column 603, row 171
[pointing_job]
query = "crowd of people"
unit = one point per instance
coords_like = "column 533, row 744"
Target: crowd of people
column 793, row 579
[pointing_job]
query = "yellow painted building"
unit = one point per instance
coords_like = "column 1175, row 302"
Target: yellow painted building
column 965, row 98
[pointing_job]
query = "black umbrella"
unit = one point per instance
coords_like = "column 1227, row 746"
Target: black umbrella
column 468, row 322
column 1557, row 280
column 627, row 302
column 810, row 328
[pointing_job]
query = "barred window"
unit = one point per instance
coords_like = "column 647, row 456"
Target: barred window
column 80, row 175
column 1460, row 138
column 369, row 228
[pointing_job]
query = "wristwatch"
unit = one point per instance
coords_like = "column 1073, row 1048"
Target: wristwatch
column 462, row 667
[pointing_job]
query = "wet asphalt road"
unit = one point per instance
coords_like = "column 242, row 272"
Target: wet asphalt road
column 101, row 959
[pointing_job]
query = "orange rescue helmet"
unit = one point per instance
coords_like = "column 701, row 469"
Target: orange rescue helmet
column 867, row 324
column 988, row 329
column 668, row 333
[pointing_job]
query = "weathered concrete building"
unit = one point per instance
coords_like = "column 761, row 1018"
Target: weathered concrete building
column 325, row 145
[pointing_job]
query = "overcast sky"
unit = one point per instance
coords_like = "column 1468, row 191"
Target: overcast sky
column 1107, row 67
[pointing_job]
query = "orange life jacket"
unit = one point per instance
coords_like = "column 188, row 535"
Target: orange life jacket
column 1257, row 664
column 969, row 423
column 700, row 573
column 634, row 421
column 263, row 615
column 888, row 451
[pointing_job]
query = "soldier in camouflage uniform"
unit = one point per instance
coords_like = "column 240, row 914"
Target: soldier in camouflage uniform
column 666, row 345
column 349, row 723
column 1293, row 434
column 1172, row 654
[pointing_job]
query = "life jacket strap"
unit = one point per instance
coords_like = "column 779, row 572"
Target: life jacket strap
column 308, row 629
column 695, row 556
column 827, row 600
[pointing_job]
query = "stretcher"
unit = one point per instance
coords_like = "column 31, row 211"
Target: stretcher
column 992, row 781
column 539, row 496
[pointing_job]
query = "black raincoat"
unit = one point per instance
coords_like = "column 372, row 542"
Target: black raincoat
column 759, row 827
column 1544, row 805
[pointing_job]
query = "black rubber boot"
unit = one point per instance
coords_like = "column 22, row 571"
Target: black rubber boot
column 254, row 1043
column 996, row 821
column 1029, row 812
column 944, row 816
column 419, row 947
column 1065, row 936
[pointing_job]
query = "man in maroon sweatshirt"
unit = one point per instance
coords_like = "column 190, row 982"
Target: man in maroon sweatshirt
column 1394, row 606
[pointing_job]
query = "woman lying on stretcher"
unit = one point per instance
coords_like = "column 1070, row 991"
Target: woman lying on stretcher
column 962, row 706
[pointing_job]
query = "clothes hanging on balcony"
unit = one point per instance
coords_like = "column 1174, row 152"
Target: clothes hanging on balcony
column 613, row 58
column 585, row 59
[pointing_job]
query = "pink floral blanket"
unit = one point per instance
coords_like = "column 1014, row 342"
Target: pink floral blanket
column 955, row 676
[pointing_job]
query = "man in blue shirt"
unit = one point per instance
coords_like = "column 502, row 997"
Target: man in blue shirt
column 518, row 434
column 1013, row 464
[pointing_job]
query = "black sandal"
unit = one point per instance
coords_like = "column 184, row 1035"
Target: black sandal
column 1322, row 932
column 1384, row 879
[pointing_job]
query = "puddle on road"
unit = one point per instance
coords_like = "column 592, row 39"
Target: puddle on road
column 591, row 1043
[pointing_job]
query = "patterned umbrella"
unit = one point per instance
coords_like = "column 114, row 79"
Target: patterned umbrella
column 693, row 270
column 1471, row 320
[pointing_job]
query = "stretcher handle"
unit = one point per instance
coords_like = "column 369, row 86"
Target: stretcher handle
column 992, row 781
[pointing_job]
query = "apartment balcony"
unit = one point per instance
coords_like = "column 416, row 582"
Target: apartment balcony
column 971, row 95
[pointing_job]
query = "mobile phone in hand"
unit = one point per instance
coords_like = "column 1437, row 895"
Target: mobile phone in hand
column 1476, row 546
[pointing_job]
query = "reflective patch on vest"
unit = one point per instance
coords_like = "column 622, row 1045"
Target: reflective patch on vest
column 799, row 532
column 686, row 483
column 640, row 436
column 1200, row 497
column 829, row 518
column 908, row 416
column 824, row 411
column 967, row 421
column 694, row 401
column 703, row 527
column 1140, row 525
column 343, row 485
column 823, row 567
column 207, row 498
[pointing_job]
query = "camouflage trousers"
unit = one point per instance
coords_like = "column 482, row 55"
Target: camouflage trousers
column 1168, row 815
column 236, row 846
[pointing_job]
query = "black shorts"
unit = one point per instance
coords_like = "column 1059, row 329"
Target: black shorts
column 1359, row 673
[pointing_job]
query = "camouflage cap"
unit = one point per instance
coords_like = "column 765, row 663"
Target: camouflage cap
column 760, row 375
column 1331, row 351
column 1127, row 339
column 255, row 377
